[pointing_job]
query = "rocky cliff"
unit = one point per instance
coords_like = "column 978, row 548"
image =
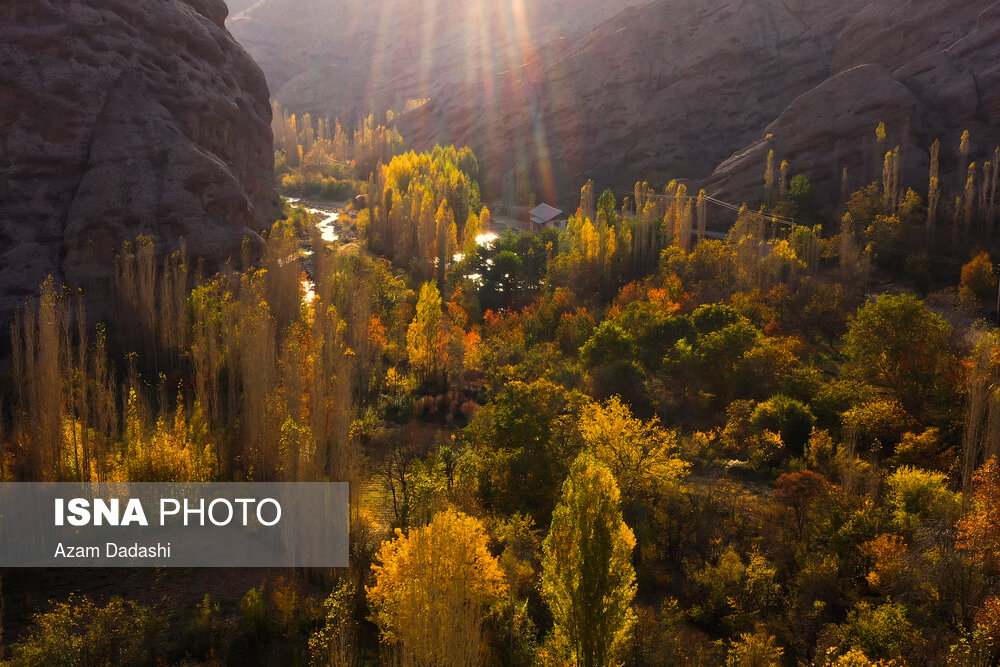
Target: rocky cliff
column 120, row 118
column 665, row 90
column 649, row 88
column 927, row 69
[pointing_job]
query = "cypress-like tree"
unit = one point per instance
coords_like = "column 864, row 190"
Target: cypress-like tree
column 446, row 241
column 587, row 574
column 702, row 214
column 934, row 188
column 969, row 198
column 770, row 178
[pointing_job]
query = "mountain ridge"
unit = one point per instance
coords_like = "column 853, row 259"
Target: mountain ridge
column 661, row 89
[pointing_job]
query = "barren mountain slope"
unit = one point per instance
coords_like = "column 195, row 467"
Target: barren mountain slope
column 652, row 88
column 351, row 56
column 672, row 87
column 942, row 79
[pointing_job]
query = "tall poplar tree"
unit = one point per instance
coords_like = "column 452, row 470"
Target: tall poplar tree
column 587, row 574
column 424, row 337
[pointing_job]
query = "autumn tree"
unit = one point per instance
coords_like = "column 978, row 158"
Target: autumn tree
column 587, row 574
column 642, row 456
column 979, row 529
column 981, row 430
column 447, row 239
column 433, row 590
column 474, row 226
column 425, row 337
column 797, row 490
column 770, row 179
column 757, row 649
column 934, row 185
column 78, row 631
column 979, row 279
column 920, row 498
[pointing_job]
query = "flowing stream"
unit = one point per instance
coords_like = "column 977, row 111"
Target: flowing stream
column 326, row 226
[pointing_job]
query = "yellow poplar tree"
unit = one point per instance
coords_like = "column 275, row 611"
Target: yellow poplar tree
column 433, row 589
column 424, row 337
column 447, row 242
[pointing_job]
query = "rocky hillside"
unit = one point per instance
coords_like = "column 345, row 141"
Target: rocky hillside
column 663, row 88
column 353, row 57
column 667, row 89
column 120, row 118
column 237, row 6
column 927, row 69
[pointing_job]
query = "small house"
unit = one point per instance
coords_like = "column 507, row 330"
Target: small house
column 543, row 216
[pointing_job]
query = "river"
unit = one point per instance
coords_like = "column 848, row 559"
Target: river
column 327, row 226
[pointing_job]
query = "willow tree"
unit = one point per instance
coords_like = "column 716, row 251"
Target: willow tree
column 587, row 576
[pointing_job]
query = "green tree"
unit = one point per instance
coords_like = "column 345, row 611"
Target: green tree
column 787, row 417
column 587, row 574
column 920, row 498
column 525, row 441
column 882, row 633
column 896, row 342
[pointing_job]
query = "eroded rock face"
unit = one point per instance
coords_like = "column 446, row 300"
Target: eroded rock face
column 120, row 118
column 665, row 90
column 828, row 129
column 654, row 89
column 928, row 69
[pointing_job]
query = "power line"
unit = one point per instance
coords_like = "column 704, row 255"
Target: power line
column 791, row 222
column 782, row 219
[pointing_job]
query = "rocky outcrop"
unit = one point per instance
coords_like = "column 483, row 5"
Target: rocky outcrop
column 927, row 69
column 237, row 6
column 120, row 118
column 828, row 129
